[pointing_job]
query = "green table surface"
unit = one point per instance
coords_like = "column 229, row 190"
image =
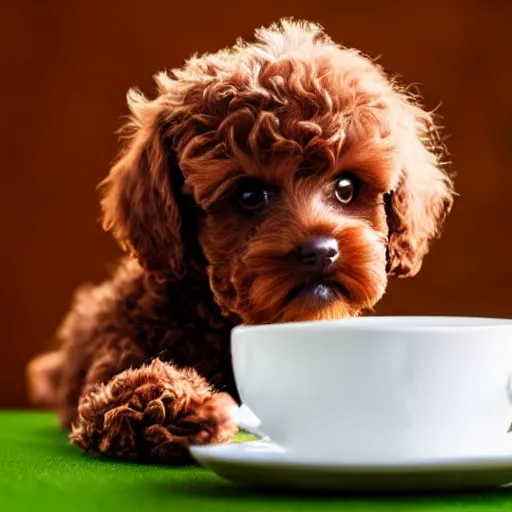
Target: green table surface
column 40, row 471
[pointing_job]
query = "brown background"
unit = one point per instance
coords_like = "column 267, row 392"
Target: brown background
column 65, row 68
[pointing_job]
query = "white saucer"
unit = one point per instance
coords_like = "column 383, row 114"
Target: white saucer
column 263, row 463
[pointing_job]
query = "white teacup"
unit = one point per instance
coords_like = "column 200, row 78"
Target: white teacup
column 377, row 388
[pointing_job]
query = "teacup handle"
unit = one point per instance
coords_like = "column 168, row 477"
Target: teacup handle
column 509, row 393
column 509, row 387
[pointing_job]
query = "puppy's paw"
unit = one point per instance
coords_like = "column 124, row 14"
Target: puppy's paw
column 153, row 413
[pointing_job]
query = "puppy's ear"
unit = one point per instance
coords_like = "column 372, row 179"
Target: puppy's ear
column 140, row 195
column 418, row 206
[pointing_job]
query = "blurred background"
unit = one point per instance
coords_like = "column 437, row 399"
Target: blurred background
column 65, row 69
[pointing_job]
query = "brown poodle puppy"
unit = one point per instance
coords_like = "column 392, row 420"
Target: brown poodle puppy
column 274, row 181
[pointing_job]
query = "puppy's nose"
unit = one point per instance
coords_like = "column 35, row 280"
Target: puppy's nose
column 318, row 253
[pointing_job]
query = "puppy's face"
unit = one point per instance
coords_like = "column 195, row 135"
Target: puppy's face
column 304, row 174
column 297, row 236
column 307, row 246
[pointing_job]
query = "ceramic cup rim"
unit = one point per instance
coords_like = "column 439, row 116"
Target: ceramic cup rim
column 385, row 324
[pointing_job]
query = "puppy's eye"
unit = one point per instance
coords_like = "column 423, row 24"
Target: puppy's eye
column 252, row 196
column 346, row 188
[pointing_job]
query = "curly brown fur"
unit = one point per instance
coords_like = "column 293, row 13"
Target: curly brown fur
column 154, row 412
column 145, row 355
